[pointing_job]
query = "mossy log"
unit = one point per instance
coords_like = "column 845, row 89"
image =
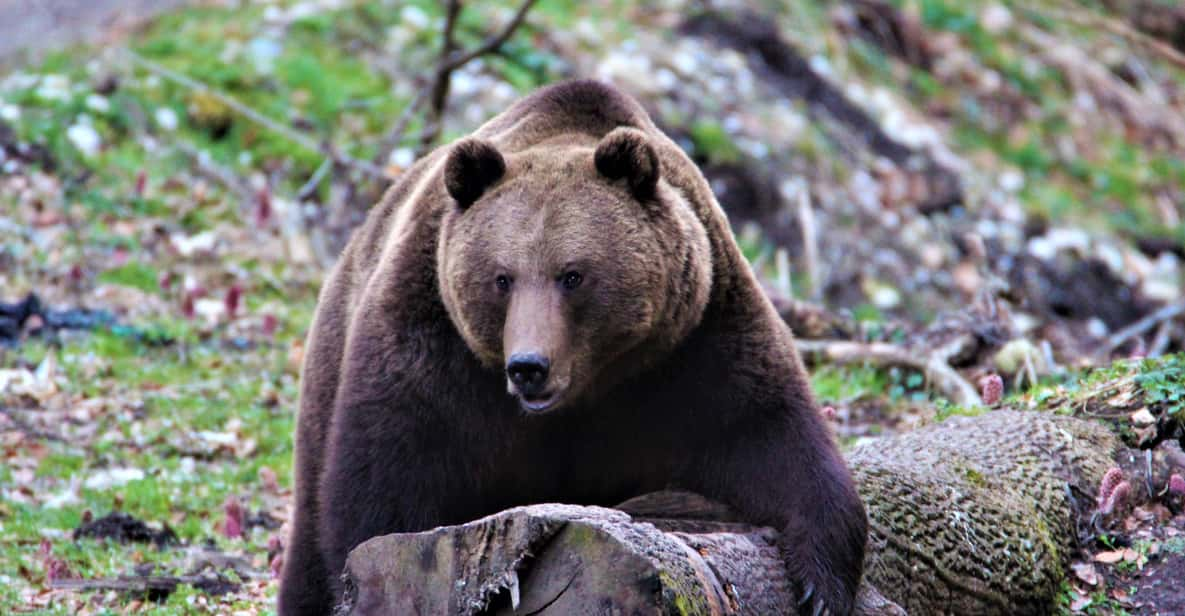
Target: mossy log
column 976, row 515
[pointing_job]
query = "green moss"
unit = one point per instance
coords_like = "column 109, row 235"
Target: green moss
column 973, row 476
column 135, row 275
column 944, row 410
column 714, row 143
column 845, row 384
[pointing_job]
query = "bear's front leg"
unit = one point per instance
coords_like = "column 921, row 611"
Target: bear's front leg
column 377, row 481
column 790, row 476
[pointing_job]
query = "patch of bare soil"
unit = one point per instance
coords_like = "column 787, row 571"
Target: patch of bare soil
column 1161, row 587
column 123, row 528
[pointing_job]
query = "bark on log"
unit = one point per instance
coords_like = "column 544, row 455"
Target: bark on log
column 971, row 516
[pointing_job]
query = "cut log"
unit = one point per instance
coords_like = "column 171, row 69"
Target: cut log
column 570, row 560
column 971, row 516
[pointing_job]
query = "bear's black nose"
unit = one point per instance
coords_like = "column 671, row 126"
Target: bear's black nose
column 528, row 372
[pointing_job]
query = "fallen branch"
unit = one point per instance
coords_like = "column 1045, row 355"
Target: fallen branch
column 1165, row 313
column 251, row 114
column 153, row 585
column 944, row 378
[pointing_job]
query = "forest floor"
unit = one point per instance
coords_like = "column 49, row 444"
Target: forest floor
column 992, row 187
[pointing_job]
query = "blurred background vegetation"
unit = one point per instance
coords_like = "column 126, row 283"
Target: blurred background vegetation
column 991, row 187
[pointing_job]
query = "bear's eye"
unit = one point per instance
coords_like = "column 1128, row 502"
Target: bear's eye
column 571, row 280
column 502, row 282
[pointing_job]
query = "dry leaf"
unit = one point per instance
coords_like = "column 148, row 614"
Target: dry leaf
column 1086, row 573
column 1110, row 557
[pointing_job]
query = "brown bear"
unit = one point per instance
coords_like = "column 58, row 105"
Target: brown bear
column 554, row 310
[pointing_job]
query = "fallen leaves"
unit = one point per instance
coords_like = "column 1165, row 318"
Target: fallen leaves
column 1086, row 573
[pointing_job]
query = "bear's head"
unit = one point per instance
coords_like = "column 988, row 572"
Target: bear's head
column 572, row 266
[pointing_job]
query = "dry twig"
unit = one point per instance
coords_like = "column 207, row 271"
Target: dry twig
column 452, row 59
column 215, row 172
column 810, row 243
column 944, row 378
column 395, row 136
column 309, row 187
column 1165, row 313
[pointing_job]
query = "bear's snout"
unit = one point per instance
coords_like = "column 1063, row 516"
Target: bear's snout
column 528, row 373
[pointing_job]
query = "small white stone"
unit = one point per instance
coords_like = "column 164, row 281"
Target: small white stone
column 1042, row 248
column 402, row 157
column 1011, row 180
column 666, row 79
column 54, row 88
column 885, row 297
column 98, row 103
column 684, row 63
column 263, row 53
column 84, row 137
column 415, row 17
column 996, row 18
column 821, row 65
column 1076, row 240
column 113, row 477
column 166, row 118
column 1096, row 327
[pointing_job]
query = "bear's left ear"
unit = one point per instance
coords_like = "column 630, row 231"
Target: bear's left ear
column 626, row 153
column 473, row 165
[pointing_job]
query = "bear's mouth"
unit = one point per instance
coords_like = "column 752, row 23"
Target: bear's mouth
column 540, row 403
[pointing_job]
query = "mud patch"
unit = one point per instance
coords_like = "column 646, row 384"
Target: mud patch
column 124, row 528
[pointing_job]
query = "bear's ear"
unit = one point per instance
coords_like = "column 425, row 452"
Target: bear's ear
column 626, row 153
column 473, row 166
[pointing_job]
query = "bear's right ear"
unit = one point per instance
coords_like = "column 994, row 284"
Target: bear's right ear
column 473, row 165
column 626, row 153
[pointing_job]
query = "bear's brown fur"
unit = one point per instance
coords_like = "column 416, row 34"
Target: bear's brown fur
column 571, row 232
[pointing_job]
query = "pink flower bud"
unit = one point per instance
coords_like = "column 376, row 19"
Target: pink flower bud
column 1111, row 479
column 233, row 297
column 1118, row 497
column 187, row 308
column 1176, row 485
column 991, row 389
column 263, row 206
column 235, row 518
